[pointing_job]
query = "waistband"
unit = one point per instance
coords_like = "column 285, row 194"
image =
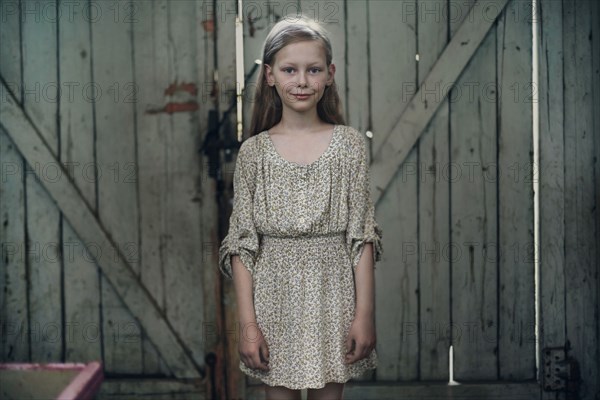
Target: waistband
column 333, row 237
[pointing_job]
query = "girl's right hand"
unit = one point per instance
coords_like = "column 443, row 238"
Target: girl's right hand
column 253, row 348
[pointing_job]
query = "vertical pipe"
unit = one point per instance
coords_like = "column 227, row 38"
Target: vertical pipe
column 536, row 182
column 239, row 66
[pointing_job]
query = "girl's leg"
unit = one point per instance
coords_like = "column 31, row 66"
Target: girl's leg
column 331, row 391
column 281, row 393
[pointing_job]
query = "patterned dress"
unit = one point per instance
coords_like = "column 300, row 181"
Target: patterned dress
column 300, row 230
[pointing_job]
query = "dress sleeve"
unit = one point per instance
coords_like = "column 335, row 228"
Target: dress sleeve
column 242, row 238
column 362, row 226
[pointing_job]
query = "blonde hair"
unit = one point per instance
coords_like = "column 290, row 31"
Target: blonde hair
column 267, row 108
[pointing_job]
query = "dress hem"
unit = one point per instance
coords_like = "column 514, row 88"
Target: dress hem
column 319, row 385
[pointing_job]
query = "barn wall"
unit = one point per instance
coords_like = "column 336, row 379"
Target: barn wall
column 111, row 87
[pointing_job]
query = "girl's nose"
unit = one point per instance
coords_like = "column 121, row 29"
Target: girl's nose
column 301, row 79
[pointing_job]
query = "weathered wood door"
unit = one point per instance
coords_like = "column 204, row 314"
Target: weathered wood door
column 107, row 211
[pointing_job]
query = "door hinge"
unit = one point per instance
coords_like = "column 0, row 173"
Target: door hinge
column 561, row 371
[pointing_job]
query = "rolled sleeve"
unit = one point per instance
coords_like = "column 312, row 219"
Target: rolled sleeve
column 242, row 238
column 362, row 225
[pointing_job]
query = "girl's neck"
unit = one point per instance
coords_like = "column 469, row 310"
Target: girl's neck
column 299, row 123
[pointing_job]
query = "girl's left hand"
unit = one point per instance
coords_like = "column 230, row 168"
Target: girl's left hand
column 361, row 338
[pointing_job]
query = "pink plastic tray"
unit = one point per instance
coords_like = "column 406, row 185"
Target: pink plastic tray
column 72, row 381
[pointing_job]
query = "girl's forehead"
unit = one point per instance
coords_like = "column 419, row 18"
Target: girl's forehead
column 305, row 52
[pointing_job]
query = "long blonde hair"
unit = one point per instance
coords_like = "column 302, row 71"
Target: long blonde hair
column 267, row 108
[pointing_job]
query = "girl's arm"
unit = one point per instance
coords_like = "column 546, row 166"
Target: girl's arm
column 364, row 281
column 253, row 349
column 362, row 338
column 242, row 281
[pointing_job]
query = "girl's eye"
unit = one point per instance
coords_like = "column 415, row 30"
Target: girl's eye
column 314, row 69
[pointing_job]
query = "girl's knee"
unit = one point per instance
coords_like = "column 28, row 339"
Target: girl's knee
column 281, row 392
column 331, row 391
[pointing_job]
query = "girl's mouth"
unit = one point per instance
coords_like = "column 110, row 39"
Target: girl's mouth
column 301, row 96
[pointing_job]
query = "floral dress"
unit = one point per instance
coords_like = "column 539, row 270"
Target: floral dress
column 300, row 229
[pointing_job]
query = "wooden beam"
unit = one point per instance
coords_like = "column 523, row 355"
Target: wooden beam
column 428, row 391
column 393, row 150
column 173, row 389
column 111, row 261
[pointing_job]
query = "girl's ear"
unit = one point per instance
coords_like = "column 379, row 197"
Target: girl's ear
column 268, row 74
column 331, row 74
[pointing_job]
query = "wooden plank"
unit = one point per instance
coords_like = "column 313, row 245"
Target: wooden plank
column 14, row 322
column 580, row 200
column 43, row 218
column 551, row 174
column 514, row 175
column 434, row 197
column 595, row 15
column 81, row 274
column 181, row 212
column 357, row 95
column 10, row 52
column 473, row 221
column 13, row 279
column 391, row 79
column 151, row 47
column 209, row 219
column 394, row 148
column 396, row 280
column 432, row 391
column 110, row 258
column 117, row 174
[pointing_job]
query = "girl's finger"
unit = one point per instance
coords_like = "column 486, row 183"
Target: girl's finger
column 256, row 361
column 362, row 352
column 265, row 350
column 263, row 357
column 352, row 358
column 349, row 345
column 246, row 362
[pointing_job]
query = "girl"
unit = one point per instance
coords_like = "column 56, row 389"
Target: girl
column 303, row 240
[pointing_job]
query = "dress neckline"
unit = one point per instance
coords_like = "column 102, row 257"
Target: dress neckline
column 319, row 159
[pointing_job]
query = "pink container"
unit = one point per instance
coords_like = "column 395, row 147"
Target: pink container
column 71, row 381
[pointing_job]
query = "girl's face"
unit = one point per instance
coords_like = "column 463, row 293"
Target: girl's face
column 300, row 68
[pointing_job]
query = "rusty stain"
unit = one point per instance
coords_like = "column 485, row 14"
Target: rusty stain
column 251, row 26
column 191, row 88
column 472, row 265
column 208, row 25
column 171, row 108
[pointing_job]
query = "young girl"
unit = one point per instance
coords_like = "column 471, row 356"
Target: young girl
column 303, row 240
